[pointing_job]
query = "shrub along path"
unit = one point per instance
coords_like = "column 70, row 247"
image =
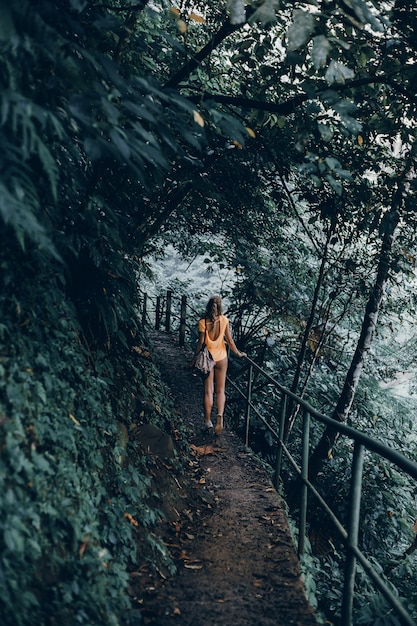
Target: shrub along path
column 236, row 562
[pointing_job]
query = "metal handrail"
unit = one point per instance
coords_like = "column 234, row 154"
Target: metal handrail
column 361, row 440
column 349, row 536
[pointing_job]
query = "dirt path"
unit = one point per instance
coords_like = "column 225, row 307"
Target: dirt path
column 236, row 560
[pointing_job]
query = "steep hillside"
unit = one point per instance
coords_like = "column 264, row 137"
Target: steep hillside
column 80, row 497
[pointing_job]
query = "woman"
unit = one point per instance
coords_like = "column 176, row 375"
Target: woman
column 214, row 329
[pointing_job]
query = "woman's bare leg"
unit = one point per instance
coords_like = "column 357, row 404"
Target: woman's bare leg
column 220, row 370
column 208, row 396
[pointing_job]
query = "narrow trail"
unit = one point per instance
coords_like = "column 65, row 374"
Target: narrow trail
column 236, row 561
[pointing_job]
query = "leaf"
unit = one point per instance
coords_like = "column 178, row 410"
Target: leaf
column 182, row 26
column 202, row 450
column 198, row 119
column 193, row 565
column 299, row 31
column 335, row 184
column 74, row 420
column 7, row 28
column 251, row 132
column 320, row 50
column 197, row 18
column 83, row 547
column 326, row 132
column 92, row 149
column 332, row 163
column 120, row 142
column 359, row 10
column 237, row 11
column 78, row 5
column 265, row 13
column 131, row 519
column 338, row 73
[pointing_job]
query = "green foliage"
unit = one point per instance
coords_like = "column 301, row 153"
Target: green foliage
column 68, row 488
column 112, row 133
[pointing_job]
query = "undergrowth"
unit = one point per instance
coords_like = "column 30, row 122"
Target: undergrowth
column 79, row 504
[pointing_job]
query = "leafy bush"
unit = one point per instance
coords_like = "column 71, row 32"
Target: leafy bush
column 75, row 512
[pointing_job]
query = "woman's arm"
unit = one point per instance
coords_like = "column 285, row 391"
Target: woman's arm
column 199, row 345
column 231, row 343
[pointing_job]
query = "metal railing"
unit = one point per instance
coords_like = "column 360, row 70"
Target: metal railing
column 350, row 534
column 361, row 441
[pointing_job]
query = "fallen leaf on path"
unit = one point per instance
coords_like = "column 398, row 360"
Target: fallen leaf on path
column 202, row 450
column 224, row 600
column 183, row 556
column 193, row 565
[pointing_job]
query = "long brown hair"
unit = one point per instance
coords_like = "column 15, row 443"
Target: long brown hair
column 214, row 308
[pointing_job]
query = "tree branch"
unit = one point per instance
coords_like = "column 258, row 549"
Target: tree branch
column 132, row 7
column 290, row 106
column 282, row 108
column 128, row 29
column 225, row 30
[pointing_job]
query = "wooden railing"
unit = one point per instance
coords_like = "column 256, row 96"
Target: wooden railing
column 163, row 311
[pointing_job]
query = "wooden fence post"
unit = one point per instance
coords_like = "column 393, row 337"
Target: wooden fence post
column 158, row 313
column 183, row 314
column 145, row 298
column 168, row 311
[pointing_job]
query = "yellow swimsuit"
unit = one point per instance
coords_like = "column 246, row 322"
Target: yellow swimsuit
column 216, row 347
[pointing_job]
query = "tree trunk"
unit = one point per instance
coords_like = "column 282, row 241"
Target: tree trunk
column 340, row 413
column 128, row 29
column 292, row 413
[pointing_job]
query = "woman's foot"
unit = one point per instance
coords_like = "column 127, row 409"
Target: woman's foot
column 209, row 425
column 218, row 429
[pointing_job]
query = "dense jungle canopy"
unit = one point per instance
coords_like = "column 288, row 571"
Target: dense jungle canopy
column 276, row 139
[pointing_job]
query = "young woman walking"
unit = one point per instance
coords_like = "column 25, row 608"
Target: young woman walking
column 214, row 330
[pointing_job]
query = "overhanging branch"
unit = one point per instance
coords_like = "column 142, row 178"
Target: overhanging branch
column 225, row 30
column 282, row 108
column 290, row 105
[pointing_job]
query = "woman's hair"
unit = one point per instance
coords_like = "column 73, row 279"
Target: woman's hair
column 214, row 307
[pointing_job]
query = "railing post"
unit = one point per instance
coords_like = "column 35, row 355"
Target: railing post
column 353, row 531
column 144, row 307
column 248, row 402
column 168, row 311
column 158, row 313
column 278, row 461
column 304, row 477
column 183, row 316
